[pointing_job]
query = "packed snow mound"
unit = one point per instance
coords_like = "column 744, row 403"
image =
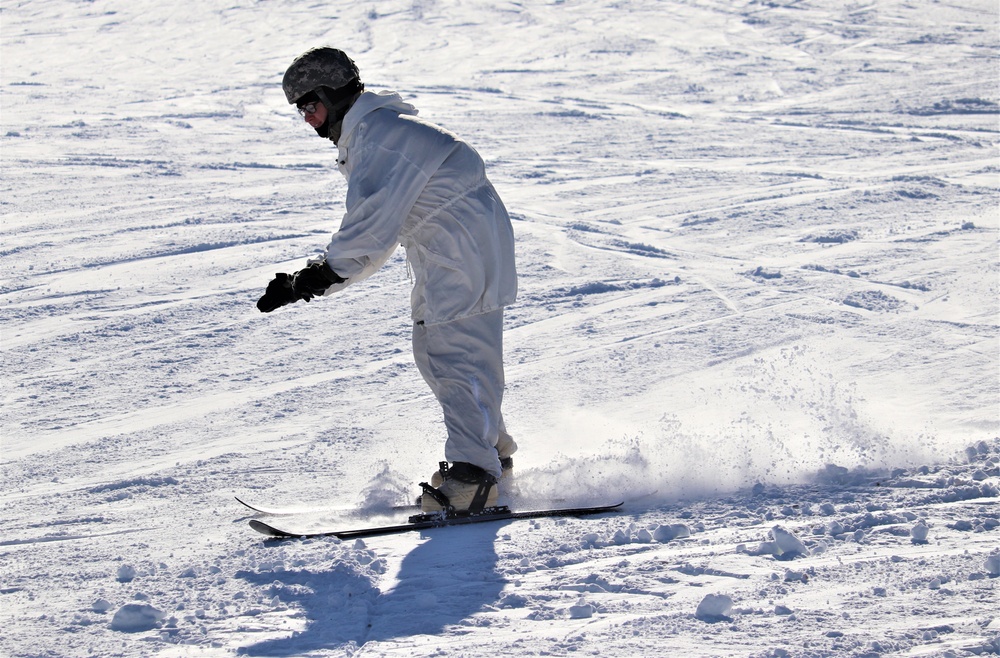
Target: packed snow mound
column 714, row 607
column 136, row 618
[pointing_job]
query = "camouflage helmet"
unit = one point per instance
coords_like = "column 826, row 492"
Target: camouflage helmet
column 319, row 67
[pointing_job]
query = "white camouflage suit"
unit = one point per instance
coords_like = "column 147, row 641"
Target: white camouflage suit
column 410, row 182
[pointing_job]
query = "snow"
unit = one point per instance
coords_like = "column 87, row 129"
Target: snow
column 134, row 617
column 714, row 607
column 759, row 302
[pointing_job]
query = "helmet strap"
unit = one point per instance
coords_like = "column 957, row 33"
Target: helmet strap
column 338, row 101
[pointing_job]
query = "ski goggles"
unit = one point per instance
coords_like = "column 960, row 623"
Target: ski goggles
column 308, row 108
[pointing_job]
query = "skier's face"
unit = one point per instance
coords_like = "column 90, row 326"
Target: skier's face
column 314, row 113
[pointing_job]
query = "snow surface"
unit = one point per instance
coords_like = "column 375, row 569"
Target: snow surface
column 759, row 300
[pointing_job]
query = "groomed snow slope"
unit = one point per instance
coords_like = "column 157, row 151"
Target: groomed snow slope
column 757, row 245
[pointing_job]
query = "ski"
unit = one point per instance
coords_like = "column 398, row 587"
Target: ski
column 273, row 511
column 429, row 521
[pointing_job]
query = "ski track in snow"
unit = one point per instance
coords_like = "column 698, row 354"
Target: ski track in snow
column 757, row 245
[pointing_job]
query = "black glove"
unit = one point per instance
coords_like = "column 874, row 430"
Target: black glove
column 314, row 280
column 279, row 292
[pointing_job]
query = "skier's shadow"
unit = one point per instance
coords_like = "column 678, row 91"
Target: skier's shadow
column 441, row 582
column 444, row 580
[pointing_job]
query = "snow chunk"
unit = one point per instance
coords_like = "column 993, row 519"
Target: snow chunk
column 766, row 548
column 101, row 606
column 512, row 601
column 762, row 273
column 788, row 545
column 918, row 533
column 993, row 565
column 581, row 610
column 873, row 300
column 135, row 618
column 666, row 533
column 832, row 237
column 126, row 574
column 714, row 607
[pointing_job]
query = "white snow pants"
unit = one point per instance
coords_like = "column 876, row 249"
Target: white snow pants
column 462, row 362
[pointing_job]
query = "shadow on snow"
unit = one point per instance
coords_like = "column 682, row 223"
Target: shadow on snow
column 443, row 581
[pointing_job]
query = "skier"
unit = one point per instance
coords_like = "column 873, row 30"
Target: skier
column 413, row 183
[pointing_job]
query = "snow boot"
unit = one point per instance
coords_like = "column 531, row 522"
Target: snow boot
column 506, row 474
column 463, row 488
column 505, row 448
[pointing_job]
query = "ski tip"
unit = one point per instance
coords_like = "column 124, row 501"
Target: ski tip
column 268, row 530
column 246, row 504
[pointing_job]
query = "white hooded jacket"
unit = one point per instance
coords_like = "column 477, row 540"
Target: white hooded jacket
column 413, row 183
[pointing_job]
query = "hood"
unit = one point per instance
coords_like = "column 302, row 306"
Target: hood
column 369, row 102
